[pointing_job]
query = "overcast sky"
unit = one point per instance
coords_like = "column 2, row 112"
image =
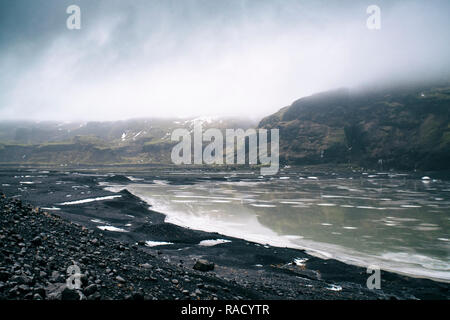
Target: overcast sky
column 207, row 57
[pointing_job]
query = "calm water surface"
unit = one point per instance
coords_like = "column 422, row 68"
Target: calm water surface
column 391, row 220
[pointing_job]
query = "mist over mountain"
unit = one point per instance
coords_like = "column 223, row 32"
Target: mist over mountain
column 403, row 127
column 238, row 59
column 137, row 141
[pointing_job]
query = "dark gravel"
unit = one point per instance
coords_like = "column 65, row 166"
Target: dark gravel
column 36, row 248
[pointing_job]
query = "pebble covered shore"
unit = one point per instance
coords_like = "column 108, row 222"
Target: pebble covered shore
column 36, row 248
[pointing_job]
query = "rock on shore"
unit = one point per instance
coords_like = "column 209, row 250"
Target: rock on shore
column 37, row 248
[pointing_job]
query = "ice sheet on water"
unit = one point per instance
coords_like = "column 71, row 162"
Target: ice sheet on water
column 213, row 242
column 88, row 200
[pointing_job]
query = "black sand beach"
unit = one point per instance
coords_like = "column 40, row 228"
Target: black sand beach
column 38, row 245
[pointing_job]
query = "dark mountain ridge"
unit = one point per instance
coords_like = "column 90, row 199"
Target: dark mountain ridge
column 400, row 127
column 404, row 128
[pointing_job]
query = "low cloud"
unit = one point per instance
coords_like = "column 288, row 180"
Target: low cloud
column 239, row 58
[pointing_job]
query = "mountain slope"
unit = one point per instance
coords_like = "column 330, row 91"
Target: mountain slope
column 402, row 128
column 138, row 141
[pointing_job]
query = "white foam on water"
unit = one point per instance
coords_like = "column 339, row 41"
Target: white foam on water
column 51, row 209
column 432, row 268
column 212, row 242
column 88, row 200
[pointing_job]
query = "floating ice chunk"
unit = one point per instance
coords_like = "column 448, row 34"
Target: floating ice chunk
column 426, row 179
column 157, row 243
column 334, row 287
column 300, row 261
column 134, row 179
column 291, row 202
column 88, row 200
column 263, row 205
column 213, row 242
column 98, row 221
column 111, row 228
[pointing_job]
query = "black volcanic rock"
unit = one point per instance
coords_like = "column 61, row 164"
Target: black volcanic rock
column 203, row 265
column 118, row 179
column 109, row 269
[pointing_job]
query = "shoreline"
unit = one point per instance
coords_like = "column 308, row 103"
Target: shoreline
column 317, row 253
column 263, row 272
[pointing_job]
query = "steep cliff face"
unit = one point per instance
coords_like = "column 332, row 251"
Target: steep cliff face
column 398, row 128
